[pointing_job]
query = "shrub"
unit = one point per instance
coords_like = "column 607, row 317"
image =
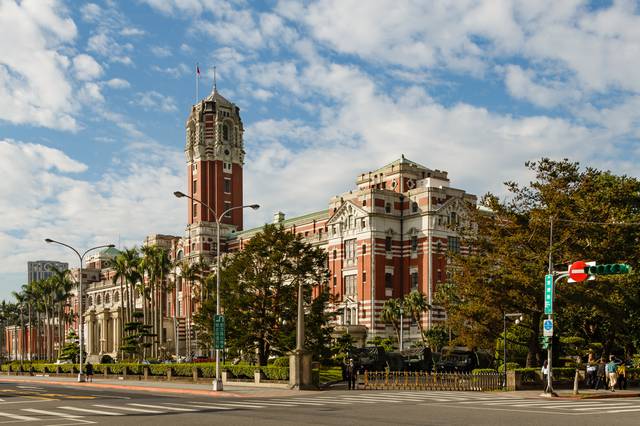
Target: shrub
column 159, row 369
column 483, row 371
column 116, row 368
column 207, row 369
column 282, row 361
column 528, row 375
column 68, row 368
column 183, row 370
column 106, row 359
column 330, row 374
column 241, row 370
column 510, row 366
column 275, row 373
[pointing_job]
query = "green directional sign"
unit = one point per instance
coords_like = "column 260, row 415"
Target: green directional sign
column 218, row 332
column 548, row 294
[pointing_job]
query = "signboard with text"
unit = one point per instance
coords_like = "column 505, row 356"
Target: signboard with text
column 547, row 328
column 218, row 332
column 548, row 294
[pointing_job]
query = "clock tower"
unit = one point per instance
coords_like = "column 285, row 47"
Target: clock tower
column 214, row 152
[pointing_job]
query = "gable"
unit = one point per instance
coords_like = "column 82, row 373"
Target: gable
column 346, row 212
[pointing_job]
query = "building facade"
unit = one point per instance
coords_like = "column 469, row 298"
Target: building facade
column 42, row 269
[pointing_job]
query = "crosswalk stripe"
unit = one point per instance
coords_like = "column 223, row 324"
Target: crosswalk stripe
column 209, row 406
column 320, row 400
column 615, row 406
column 52, row 413
column 298, row 401
column 629, row 410
column 241, row 404
column 18, row 417
column 138, row 410
column 162, row 407
column 97, row 412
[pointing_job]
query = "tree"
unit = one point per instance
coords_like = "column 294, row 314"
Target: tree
column 436, row 337
column 259, row 288
column 386, row 343
column 415, row 303
column 509, row 255
column 391, row 315
column 137, row 340
column 71, row 349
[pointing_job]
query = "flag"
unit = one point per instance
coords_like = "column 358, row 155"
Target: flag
column 197, row 69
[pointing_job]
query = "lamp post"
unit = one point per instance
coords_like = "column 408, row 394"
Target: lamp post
column 81, row 318
column 400, row 343
column 217, row 383
column 518, row 317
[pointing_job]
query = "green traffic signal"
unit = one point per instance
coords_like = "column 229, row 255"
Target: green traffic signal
column 545, row 341
column 608, row 269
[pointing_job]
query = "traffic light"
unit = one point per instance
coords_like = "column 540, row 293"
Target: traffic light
column 610, row 269
column 545, row 341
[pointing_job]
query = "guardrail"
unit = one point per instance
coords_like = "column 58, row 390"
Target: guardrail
column 422, row 380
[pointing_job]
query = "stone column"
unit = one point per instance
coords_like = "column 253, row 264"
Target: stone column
column 89, row 320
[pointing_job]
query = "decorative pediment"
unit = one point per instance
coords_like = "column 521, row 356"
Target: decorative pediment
column 452, row 212
column 346, row 213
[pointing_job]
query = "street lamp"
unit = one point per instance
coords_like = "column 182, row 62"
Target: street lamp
column 81, row 319
column 518, row 316
column 217, row 382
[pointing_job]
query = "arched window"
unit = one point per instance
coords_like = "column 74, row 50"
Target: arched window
column 90, row 301
column 116, row 297
column 225, row 132
column 107, row 298
column 98, row 300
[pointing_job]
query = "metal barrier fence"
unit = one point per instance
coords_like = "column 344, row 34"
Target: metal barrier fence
column 421, row 380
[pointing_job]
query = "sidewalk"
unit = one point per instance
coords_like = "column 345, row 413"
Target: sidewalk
column 582, row 394
column 156, row 387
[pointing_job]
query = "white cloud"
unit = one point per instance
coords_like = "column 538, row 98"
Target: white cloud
column 118, row 83
column 161, row 51
column 113, row 51
column 86, row 68
column 34, row 87
column 44, row 197
column 132, row 32
column 177, row 71
column 153, row 100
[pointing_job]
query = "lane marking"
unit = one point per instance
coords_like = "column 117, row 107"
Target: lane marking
column 86, row 410
column 240, row 404
column 52, row 413
column 162, row 407
column 208, row 406
column 139, row 410
column 18, row 417
column 630, row 410
column 614, row 406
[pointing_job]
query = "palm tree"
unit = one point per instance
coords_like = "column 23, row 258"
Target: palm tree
column 416, row 303
column 20, row 302
column 125, row 265
column 391, row 315
column 61, row 286
column 189, row 273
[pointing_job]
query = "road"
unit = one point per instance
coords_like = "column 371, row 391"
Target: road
column 58, row 405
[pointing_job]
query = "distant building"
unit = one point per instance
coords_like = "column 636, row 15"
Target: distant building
column 41, row 269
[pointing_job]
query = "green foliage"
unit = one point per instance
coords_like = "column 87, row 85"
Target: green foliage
column 137, row 334
column 342, row 347
column 505, row 271
column 185, row 370
column 282, row 361
column 330, row 374
column 529, row 375
column 387, row 343
column 510, row 366
column 260, row 296
column 275, row 373
column 241, row 371
column 71, row 349
column 159, row 369
column 483, row 370
column 436, row 337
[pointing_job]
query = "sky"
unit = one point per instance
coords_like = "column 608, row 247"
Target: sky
column 94, row 98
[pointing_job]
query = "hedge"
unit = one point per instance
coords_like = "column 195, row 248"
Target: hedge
column 275, row 373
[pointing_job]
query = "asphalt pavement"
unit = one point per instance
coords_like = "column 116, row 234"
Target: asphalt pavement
column 40, row 403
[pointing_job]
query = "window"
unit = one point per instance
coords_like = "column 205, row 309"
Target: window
column 335, row 282
column 350, row 249
column 454, row 244
column 364, row 277
column 227, row 185
column 388, row 280
column 335, row 254
column 350, row 283
column 453, row 218
column 98, row 300
column 414, row 207
column 414, row 281
column 387, row 244
column 107, row 298
column 364, row 249
column 90, row 301
column 363, row 224
column 364, row 203
column 225, row 132
column 414, row 243
column 195, row 209
column 227, row 206
column 387, row 208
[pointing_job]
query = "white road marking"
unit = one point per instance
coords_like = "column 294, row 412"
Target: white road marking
column 630, row 410
column 162, row 407
column 241, row 404
column 139, row 410
column 603, row 407
column 52, row 413
column 86, row 410
column 18, row 417
column 207, row 406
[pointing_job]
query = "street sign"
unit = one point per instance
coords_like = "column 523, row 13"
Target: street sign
column 218, row 332
column 548, row 294
column 577, row 272
column 547, row 328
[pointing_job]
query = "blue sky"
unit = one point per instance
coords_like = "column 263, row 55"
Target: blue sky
column 94, row 96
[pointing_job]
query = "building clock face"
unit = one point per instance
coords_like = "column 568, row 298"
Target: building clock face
column 226, row 152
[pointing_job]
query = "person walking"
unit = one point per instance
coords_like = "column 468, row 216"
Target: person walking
column 592, row 368
column 622, row 376
column 612, row 367
column 88, row 368
column 601, row 378
column 352, row 374
column 545, row 373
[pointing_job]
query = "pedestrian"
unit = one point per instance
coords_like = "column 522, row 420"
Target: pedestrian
column 89, row 371
column 592, row 368
column 545, row 374
column 601, row 378
column 352, row 374
column 612, row 367
column 622, row 376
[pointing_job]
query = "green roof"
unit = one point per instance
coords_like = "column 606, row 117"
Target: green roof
column 304, row 218
column 110, row 251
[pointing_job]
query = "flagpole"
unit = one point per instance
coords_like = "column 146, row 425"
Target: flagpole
column 197, row 81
